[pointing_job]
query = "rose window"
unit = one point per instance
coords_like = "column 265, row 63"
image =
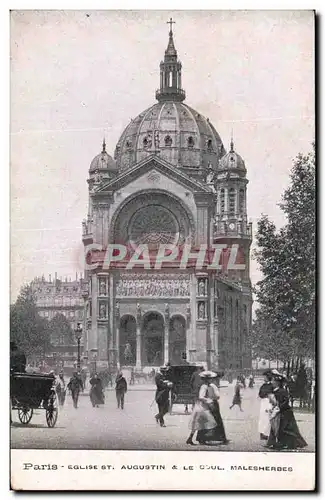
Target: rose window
column 153, row 225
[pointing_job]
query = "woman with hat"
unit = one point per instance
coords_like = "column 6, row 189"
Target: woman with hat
column 265, row 390
column 284, row 431
column 206, row 418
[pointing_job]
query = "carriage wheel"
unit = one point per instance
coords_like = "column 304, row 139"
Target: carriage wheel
column 51, row 413
column 25, row 415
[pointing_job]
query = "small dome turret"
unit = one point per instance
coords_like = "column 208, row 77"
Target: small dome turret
column 103, row 161
column 232, row 160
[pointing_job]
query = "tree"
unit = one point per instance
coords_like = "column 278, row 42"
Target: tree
column 60, row 330
column 27, row 328
column 286, row 257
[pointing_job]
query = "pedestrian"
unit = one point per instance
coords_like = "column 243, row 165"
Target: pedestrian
column 237, row 396
column 251, row 381
column 121, row 388
column 196, row 382
column 206, row 418
column 266, row 389
column 61, row 389
column 284, row 433
column 75, row 386
column 162, row 394
column 96, row 392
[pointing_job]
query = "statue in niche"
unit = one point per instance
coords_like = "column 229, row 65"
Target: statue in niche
column 102, row 287
column 167, row 309
column 128, row 353
column 117, row 309
column 138, row 310
column 201, row 310
column 102, row 311
column 97, row 177
column 156, row 139
column 201, row 287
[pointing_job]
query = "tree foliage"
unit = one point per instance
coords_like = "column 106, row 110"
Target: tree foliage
column 286, row 293
column 27, row 328
column 60, row 331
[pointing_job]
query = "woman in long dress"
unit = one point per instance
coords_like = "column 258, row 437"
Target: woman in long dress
column 284, row 433
column 206, row 418
column 96, row 393
column 266, row 389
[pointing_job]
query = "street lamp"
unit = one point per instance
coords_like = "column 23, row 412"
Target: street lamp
column 78, row 334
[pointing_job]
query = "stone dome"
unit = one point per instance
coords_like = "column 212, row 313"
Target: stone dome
column 103, row 161
column 174, row 131
column 232, row 161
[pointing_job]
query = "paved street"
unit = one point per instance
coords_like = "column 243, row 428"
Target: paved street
column 135, row 428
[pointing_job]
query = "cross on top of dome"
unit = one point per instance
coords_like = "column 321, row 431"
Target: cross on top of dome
column 170, row 72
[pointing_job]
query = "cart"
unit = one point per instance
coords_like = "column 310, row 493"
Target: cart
column 32, row 391
column 182, row 392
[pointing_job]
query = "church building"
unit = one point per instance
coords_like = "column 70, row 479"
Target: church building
column 171, row 182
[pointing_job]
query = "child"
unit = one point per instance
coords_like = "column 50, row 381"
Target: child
column 237, row 397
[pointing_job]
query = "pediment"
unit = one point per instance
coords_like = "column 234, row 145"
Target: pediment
column 153, row 168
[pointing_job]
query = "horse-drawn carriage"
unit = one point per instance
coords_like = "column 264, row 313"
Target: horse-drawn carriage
column 32, row 391
column 182, row 391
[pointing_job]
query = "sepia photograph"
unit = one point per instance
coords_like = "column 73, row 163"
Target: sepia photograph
column 162, row 226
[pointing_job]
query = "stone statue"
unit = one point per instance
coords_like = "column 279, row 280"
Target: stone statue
column 127, row 353
column 156, row 139
column 201, row 287
column 97, row 177
column 138, row 310
column 102, row 311
column 201, row 310
column 117, row 309
column 102, row 287
column 167, row 309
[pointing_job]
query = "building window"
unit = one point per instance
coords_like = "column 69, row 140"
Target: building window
column 190, row 142
column 128, row 144
column 168, row 140
column 232, row 201
column 170, row 77
column 222, row 201
column 209, row 145
column 241, row 201
column 145, row 142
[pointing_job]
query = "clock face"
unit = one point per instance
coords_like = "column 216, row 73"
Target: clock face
column 232, row 226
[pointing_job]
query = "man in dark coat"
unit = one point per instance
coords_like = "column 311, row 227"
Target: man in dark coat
column 120, row 389
column 17, row 359
column 162, row 394
column 75, row 386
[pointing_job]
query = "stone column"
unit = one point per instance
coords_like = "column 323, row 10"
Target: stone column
column 211, row 343
column 117, row 337
column 166, row 335
column 138, row 362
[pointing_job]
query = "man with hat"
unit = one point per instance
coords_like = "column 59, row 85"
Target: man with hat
column 284, row 432
column 162, row 394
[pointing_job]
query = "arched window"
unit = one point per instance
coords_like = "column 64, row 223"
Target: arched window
column 128, row 144
column 145, row 142
column 168, row 141
column 232, row 201
column 241, row 201
column 209, row 145
column 222, row 200
column 190, row 142
column 170, row 79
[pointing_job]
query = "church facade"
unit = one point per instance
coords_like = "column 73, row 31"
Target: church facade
column 171, row 183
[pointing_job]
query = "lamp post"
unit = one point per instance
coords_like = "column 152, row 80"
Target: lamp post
column 78, row 334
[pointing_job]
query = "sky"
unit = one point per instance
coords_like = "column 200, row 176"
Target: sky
column 79, row 75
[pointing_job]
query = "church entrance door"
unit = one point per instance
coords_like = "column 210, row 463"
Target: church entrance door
column 153, row 336
column 177, row 340
column 127, row 345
